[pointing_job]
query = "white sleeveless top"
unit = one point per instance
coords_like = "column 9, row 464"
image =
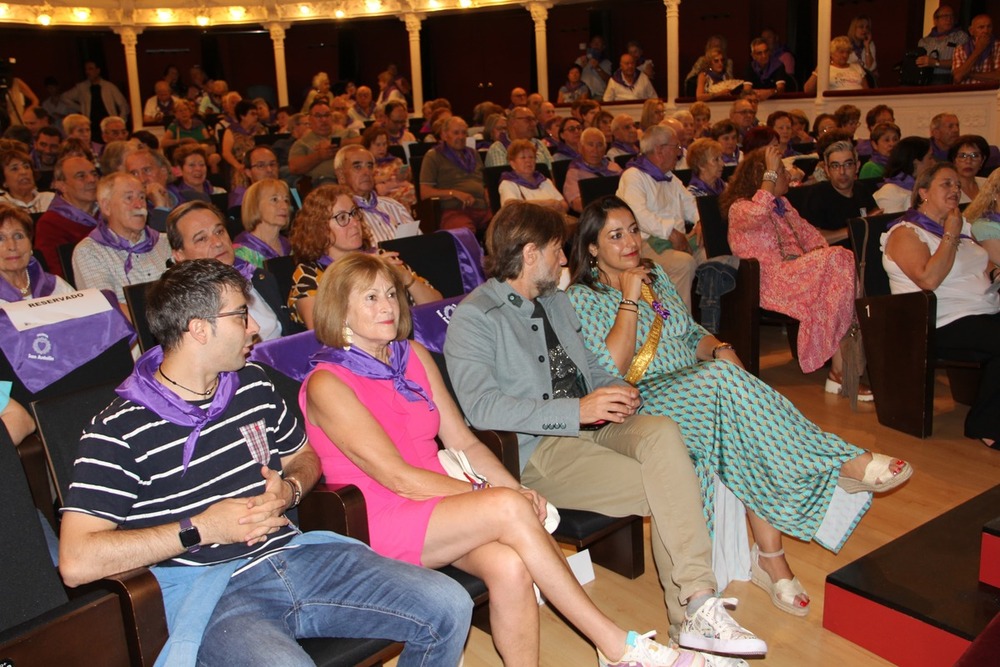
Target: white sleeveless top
column 963, row 291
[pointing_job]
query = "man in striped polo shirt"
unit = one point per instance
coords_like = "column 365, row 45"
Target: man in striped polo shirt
column 191, row 470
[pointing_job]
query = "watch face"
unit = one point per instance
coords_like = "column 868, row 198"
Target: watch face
column 189, row 535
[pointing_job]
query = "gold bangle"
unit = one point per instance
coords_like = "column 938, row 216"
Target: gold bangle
column 720, row 346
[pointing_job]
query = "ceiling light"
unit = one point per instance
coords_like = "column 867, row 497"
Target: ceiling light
column 237, row 12
column 339, row 14
column 164, row 15
column 373, row 5
column 464, row 4
column 44, row 19
column 81, row 13
column 4, row 9
column 305, row 10
column 201, row 20
column 434, row 4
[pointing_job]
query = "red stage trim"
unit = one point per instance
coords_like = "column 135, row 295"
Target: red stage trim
column 989, row 560
column 897, row 637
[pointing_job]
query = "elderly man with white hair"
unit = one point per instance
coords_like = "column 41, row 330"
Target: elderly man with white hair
column 664, row 208
column 160, row 105
column 113, row 128
column 153, row 171
column 624, row 135
column 122, row 249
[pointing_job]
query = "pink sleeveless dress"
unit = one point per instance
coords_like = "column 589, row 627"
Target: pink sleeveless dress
column 396, row 525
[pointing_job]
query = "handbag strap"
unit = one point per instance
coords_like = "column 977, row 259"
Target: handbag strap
column 642, row 358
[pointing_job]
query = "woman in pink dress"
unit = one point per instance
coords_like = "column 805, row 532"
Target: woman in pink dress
column 373, row 405
column 800, row 274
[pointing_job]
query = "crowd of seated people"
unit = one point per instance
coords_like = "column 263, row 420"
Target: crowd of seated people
column 338, row 187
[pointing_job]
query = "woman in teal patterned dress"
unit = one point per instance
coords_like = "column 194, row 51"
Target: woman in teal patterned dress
column 744, row 437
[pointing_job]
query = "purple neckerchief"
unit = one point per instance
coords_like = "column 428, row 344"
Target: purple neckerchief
column 388, row 158
column 643, row 164
column 102, row 235
column 779, row 206
column 620, row 79
column 601, row 170
column 167, row 108
column 567, row 150
column 466, row 161
column 879, row 159
column 141, row 387
column 237, row 128
column 504, row 139
column 731, row 159
column 532, row 182
column 179, row 187
column 903, row 180
column 324, row 262
column 361, row 111
column 573, row 87
column 630, row 149
column 714, row 189
column 915, row 217
column 790, row 152
column 396, row 139
column 992, row 216
column 984, row 57
column 364, row 365
column 371, row 207
column 764, row 73
column 934, row 32
column 255, row 243
column 41, row 284
column 470, row 257
column 245, row 268
column 70, row 212
column 716, row 77
column 383, row 96
column 859, row 50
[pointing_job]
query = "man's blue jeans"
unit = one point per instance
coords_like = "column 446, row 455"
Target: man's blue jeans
column 338, row 590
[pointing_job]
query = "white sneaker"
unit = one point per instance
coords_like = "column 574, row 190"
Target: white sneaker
column 713, row 629
column 712, row 660
column 642, row 651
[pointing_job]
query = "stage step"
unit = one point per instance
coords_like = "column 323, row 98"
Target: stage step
column 918, row 601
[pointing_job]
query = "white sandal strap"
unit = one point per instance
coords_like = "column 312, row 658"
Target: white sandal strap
column 772, row 554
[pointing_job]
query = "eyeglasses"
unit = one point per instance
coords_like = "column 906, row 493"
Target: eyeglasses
column 572, row 128
column 841, row 166
column 321, row 116
column 243, row 312
column 264, row 165
column 344, row 217
column 968, row 156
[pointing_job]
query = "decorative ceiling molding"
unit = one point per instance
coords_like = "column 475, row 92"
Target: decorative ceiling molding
column 205, row 13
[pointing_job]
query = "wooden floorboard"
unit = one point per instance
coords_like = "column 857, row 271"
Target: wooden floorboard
column 950, row 469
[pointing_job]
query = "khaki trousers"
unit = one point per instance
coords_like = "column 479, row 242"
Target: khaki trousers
column 640, row 467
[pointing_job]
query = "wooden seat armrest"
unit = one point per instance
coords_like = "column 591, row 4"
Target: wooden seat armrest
column 335, row 507
column 142, row 612
column 33, row 460
column 503, row 444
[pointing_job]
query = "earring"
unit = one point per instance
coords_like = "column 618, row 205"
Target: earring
column 348, row 335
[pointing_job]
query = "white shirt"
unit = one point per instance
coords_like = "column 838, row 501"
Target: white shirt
column 398, row 215
column 511, row 191
column 963, row 291
column 270, row 327
column 642, row 90
column 39, row 201
column 659, row 208
column 152, row 109
column 892, row 198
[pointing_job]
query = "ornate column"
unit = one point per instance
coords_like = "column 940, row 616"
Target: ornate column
column 823, row 10
column 130, row 36
column 673, row 53
column 539, row 14
column 277, row 31
column 413, row 22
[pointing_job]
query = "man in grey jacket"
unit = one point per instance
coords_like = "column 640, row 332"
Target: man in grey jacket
column 518, row 363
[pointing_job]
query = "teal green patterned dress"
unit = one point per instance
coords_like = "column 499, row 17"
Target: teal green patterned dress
column 778, row 463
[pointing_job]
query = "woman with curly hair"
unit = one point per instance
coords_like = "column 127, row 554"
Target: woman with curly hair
column 328, row 227
column 800, row 274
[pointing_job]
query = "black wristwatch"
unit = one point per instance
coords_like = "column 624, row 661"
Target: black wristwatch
column 190, row 537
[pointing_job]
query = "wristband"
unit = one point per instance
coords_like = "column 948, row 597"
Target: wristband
column 627, row 302
column 720, row 346
column 771, row 175
column 296, row 490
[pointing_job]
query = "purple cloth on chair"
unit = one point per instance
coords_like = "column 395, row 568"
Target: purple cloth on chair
column 430, row 322
column 45, row 354
column 470, row 258
column 289, row 354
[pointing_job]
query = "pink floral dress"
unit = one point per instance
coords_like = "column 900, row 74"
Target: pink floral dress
column 800, row 275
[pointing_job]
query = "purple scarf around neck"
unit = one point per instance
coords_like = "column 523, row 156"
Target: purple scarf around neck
column 602, row 170
column 102, row 235
column 362, row 112
column 573, row 87
column 905, row 181
column 363, row 364
column 324, row 262
column 716, row 77
column 765, row 73
column 779, row 206
column 245, row 268
column 70, row 212
column 532, row 182
column 466, row 160
column 371, row 208
column 630, row 149
column 643, row 164
column 731, row 159
column 984, row 57
column 255, row 243
column 179, row 187
column 620, row 79
column 880, row 160
column 859, row 50
column 934, row 32
column 388, row 158
column 915, row 217
column 42, row 284
column 142, row 387
column 713, row 189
